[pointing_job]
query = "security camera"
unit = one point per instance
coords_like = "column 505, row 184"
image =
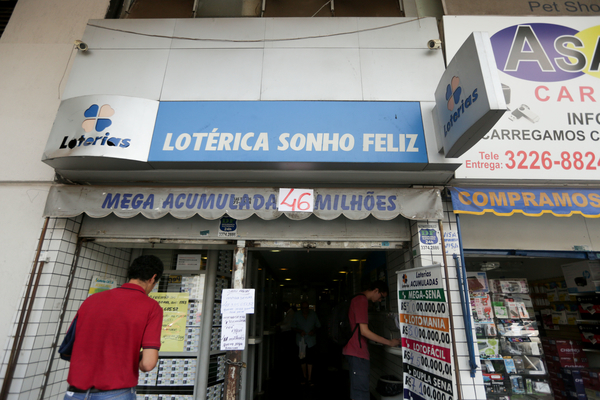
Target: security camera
column 79, row 45
column 434, row 44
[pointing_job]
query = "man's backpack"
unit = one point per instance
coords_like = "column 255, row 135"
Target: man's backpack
column 340, row 330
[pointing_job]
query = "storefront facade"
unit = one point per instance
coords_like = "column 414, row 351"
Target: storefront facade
column 211, row 112
column 165, row 127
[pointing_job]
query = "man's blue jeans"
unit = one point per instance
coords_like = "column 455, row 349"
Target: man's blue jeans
column 119, row 394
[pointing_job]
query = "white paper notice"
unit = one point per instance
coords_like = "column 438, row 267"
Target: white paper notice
column 237, row 302
column 233, row 332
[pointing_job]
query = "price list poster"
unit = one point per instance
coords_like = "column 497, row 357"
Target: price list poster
column 175, row 306
column 425, row 327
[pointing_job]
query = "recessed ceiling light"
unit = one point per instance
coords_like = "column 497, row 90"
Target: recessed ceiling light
column 288, row 279
column 335, row 280
column 343, row 272
column 275, row 251
column 283, row 269
column 354, row 259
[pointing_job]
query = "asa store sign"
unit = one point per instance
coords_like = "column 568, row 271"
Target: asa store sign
column 544, row 8
column 550, row 73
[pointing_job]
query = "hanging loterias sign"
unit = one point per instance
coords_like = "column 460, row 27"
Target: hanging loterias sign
column 469, row 98
column 532, row 202
column 240, row 203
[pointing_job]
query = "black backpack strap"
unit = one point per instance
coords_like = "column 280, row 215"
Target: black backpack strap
column 357, row 326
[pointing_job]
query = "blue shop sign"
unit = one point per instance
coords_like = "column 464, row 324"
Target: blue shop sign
column 533, row 202
column 289, row 131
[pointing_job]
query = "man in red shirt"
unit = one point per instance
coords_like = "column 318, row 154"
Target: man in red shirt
column 357, row 350
column 111, row 328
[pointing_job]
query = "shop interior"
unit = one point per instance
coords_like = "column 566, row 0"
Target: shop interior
column 294, row 276
column 322, row 279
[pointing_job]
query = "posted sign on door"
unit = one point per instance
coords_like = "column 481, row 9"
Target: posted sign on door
column 425, row 327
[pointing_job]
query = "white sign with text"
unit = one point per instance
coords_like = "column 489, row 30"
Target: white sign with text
column 233, row 333
column 296, row 200
column 237, row 302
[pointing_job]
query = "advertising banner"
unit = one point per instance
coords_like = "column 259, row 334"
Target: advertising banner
column 425, row 327
column 240, row 203
column 289, row 131
column 549, row 70
column 522, row 7
column 532, row 202
column 100, row 284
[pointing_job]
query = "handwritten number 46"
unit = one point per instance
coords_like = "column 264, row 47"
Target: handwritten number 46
column 302, row 205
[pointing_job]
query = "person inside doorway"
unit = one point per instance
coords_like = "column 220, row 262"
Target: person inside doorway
column 285, row 324
column 305, row 324
column 357, row 349
column 286, row 350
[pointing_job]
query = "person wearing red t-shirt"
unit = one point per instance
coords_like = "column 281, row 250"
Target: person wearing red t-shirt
column 111, row 328
column 357, row 350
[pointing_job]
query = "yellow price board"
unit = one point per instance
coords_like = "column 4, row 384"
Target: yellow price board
column 174, row 307
column 172, row 302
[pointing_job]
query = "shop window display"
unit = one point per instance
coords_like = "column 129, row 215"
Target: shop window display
column 510, row 350
column 176, row 375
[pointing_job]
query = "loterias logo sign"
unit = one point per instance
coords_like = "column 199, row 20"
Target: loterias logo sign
column 453, row 95
column 453, row 91
column 469, row 97
column 97, row 120
column 104, row 127
column 543, row 52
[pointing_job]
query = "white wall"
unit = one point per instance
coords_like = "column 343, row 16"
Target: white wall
column 519, row 232
column 21, row 220
column 37, row 354
column 35, row 53
column 259, row 59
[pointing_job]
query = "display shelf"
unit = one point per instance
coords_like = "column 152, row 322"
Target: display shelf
column 511, row 353
column 171, row 354
column 183, row 272
column 176, row 374
column 588, row 350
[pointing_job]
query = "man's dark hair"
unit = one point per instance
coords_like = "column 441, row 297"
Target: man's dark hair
column 144, row 267
column 381, row 285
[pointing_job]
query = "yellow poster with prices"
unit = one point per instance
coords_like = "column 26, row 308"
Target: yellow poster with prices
column 174, row 307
